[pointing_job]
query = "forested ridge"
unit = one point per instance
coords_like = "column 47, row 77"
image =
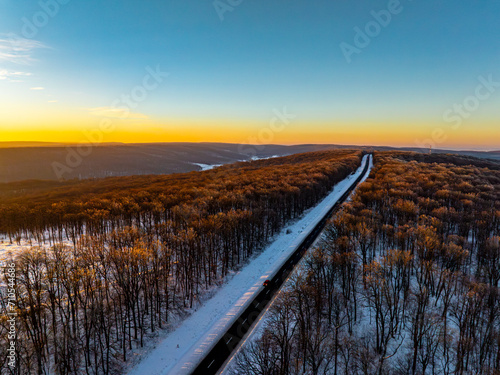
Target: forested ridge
column 405, row 280
column 114, row 260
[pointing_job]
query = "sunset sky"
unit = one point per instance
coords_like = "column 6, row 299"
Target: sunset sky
column 423, row 71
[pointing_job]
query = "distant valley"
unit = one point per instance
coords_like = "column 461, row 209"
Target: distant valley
column 54, row 161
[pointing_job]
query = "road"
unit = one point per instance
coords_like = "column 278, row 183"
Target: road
column 223, row 349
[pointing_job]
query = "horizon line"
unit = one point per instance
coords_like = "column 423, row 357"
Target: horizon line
column 34, row 144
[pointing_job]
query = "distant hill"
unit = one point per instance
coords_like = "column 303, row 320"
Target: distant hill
column 54, row 161
column 17, row 144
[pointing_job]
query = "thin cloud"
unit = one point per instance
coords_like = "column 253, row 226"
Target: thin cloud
column 18, row 50
column 119, row 113
column 12, row 76
column 52, row 101
column 37, row 88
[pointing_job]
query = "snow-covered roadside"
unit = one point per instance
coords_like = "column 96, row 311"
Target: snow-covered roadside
column 186, row 346
column 257, row 330
column 370, row 167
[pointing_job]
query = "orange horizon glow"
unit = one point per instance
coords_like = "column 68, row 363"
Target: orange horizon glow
column 258, row 132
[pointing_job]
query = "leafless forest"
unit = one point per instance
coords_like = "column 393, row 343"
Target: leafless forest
column 405, row 281
column 114, row 260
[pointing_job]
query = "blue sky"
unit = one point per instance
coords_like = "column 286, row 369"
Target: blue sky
column 262, row 55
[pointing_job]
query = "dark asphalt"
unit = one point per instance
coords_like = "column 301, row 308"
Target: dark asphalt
column 214, row 360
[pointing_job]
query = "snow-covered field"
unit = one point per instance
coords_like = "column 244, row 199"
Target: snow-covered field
column 184, row 347
column 8, row 250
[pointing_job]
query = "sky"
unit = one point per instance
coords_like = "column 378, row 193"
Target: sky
column 401, row 73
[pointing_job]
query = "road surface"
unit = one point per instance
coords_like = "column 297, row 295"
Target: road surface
column 223, row 349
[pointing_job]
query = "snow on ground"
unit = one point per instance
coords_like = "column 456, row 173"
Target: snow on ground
column 370, row 167
column 186, row 346
column 257, row 330
column 207, row 167
column 8, row 249
column 253, row 158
